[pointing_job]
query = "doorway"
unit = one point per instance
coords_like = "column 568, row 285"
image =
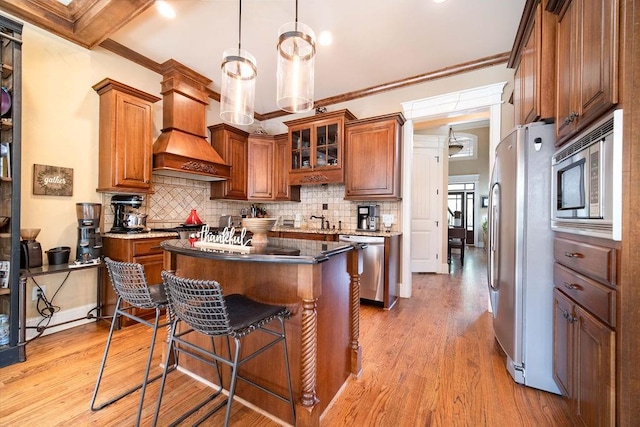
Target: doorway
column 461, row 203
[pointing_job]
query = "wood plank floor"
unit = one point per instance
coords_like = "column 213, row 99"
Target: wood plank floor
column 431, row 361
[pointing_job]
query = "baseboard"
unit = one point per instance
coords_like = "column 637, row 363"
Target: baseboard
column 70, row 316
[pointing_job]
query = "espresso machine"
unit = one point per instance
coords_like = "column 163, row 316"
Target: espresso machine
column 89, row 249
column 368, row 218
column 123, row 205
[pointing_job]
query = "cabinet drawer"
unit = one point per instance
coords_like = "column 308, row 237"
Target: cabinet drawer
column 598, row 299
column 596, row 262
column 148, row 246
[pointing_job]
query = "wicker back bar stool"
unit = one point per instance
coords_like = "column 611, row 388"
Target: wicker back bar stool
column 130, row 284
column 201, row 305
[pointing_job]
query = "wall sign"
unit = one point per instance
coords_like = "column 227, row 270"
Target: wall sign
column 52, row 181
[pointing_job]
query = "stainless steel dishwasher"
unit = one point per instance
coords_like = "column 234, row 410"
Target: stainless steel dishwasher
column 372, row 277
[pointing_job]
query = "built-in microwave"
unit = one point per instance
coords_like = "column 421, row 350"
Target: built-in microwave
column 586, row 193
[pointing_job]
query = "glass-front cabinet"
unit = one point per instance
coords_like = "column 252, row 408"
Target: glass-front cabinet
column 10, row 109
column 316, row 144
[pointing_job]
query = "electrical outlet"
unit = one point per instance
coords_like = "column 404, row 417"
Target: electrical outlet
column 35, row 292
column 388, row 219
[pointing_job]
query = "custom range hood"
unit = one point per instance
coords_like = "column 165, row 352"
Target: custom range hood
column 182, row 149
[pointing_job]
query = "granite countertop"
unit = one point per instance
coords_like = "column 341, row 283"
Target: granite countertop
column 380, row 233
column 149, row 235
column 287, row 251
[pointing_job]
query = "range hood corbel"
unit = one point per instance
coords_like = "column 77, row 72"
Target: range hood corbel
column 182, row 149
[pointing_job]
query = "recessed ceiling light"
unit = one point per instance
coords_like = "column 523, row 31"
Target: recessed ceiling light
column 325, row 38
column 165, row 9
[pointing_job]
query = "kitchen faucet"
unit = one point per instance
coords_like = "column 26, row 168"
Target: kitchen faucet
column 321, row 218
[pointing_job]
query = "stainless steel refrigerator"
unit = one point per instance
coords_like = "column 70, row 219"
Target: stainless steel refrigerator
column 520, row 254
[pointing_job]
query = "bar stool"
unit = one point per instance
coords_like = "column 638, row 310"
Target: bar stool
column 201, row 305
column 130, row 284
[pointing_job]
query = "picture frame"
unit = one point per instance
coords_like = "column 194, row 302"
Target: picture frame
column 52, row 180
column 484, row 201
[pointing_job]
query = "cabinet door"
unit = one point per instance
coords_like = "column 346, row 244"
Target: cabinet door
column 372, row 153
column 566, row 37
column 528, row 75
column 281, row 188
column 563, row 320
column 232, row 145
column 133, row 142
column 261, row 169
column 598, row 57
column 595, row 371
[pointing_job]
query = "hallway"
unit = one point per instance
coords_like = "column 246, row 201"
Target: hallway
column 430, row 361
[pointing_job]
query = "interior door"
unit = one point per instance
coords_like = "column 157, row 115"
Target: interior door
column 426, row 211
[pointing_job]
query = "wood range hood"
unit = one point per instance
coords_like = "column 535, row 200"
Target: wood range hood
column 182, row 149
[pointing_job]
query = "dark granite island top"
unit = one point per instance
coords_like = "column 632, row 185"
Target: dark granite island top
column 319, row 282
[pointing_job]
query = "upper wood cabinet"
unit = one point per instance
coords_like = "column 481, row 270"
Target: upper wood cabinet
column 315, row 148
column 126, row 138
column 533, row 56
column 373, row 158
column 232, row 145
column 587, row 63
column 267, row 175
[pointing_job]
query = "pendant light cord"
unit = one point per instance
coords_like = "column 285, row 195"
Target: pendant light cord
column 239, row 25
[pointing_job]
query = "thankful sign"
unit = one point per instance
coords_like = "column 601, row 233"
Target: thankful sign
column 52, row 181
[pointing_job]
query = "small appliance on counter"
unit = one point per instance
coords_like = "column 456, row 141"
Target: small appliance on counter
column 89, row 247
column 126, row 218
column 368, row 218
column 30, row 249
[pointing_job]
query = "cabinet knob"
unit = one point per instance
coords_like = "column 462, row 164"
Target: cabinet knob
column 571, row 286
column 573, row 255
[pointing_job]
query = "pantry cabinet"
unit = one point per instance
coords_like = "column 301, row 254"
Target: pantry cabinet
column 532, row 57
column 584, row 355
column 232, row 145
column 126, row 138
column 373, row 158
column 146, row 251
column 10, row 172
column 587, row 63
column 316, row 148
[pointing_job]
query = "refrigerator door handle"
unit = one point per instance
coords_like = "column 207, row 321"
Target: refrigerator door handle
column 494, row 231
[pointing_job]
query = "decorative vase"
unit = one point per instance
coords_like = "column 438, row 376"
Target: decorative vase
column 193, row 218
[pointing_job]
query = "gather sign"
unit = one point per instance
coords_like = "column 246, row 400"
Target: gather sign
column 52, row 180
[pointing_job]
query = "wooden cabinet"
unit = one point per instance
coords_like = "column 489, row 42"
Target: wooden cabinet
column 324, row 237
column 315, row 148
column 232, row 145
column 126, row 138
column 584, row 362
column 373, row 158
column 10, row 171
column 267, row 175
column 532, row 57
column 587, row 63
column 146, row 251
column 584, row 355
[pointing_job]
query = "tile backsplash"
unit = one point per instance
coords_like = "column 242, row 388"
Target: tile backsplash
column 173, row 199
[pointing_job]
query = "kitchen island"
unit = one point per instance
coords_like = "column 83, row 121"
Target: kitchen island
column 319, row 283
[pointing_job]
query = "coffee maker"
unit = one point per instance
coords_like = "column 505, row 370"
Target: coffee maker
column 89, row 247
column 123, row 204
column 30, row 249
column 368, row 218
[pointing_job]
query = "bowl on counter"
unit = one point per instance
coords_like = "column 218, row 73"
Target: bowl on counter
column 259, row 228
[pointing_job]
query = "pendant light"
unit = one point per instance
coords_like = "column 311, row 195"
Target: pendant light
column 296, row 62
column 238, row 86
column 455, row 146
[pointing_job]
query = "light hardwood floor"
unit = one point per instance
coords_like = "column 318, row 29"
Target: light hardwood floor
column 430, row 361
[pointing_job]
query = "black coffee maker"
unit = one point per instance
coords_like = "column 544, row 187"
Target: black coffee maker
column 89, row 247
column 30, row 249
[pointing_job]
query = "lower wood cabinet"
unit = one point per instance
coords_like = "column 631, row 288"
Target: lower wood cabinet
column 146, row 251
column 584, row 361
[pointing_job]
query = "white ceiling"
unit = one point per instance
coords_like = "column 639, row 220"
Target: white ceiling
column 374, row 41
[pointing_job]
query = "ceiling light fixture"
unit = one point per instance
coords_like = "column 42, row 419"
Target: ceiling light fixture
column 238, row 86
column 455, row 146
column 165, row 9
column 296, row 61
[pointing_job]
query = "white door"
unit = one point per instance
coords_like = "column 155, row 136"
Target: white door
column 426, row 206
